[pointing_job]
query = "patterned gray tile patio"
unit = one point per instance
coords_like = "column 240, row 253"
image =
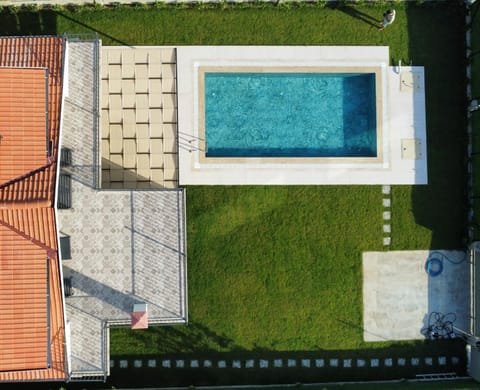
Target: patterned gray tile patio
column 126, row 246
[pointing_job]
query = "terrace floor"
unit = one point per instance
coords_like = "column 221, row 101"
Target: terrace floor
column 138, row 117
column 126, row 246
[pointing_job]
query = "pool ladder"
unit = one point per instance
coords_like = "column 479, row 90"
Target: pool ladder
column 188, row 141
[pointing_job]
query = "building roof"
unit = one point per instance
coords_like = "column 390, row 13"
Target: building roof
column 23, row 115
column 32, row 329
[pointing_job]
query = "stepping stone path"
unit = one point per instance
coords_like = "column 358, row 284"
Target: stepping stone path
column 387, row 215
column 280, row 363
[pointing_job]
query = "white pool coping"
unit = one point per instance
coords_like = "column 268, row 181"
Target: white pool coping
column 404, row 156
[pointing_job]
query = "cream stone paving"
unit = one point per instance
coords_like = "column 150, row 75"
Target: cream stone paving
column 399, row 295
column 139, row 117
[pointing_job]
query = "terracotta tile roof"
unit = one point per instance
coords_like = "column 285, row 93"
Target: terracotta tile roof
column 32, row 328
column 23, row 126
column 36, row 52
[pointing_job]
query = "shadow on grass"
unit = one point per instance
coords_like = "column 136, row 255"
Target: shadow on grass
column 354, row 12
column 437, row 42
column 89, row 28
column 27, row 22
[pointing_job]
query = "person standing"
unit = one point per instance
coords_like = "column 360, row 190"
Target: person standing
column 388, row 18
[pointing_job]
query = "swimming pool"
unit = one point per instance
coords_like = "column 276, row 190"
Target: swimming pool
column 290, row 114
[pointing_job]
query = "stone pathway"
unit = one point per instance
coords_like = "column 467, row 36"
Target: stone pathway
column 428, row 361
column 387, row 215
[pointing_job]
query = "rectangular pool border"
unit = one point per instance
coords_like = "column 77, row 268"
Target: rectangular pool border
column 200, row 123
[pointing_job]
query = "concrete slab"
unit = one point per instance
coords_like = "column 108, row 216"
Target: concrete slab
column 399, row 295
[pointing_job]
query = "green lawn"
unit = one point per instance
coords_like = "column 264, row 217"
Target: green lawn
column 277, row 270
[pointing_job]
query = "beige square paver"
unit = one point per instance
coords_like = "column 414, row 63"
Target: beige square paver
column 143, row 131
column 168, row 71
column 105, row 123
column 170, row 184
column 143, row 174
column 156, row 130
column 141, row 86
column 129, row 153
column 105, row 175
column 169, row 145
column 128, row 86
column 114, row 86
column 155, row 100
column 168, row 55
column 155, row 115
column 155, row 86
column 130, row 175
column 156, row 175
column 128, row 71
column 169, row 115
column 115, row 115
column 116, row 162
column 143, row 146
column 116, row 141
column 104, row 85
column 169, row 100
column 141, row 115
column 141, row 101
column 155, row 56
column 128, row 56
column 115, row 101
column 170, row 174
column 156, row 146
column 156, row 160
column 116, row 175
column 168, row 85
column 141, row 72
column 105, row 148
column 129, row 130
column 128, row 100
column 129, row 147
column 141, row 56
column 170, row 161
column 143, row 161
column 114, row 72
column 114, row 56
column 169, row 130
column 155, row 71
column 128, row 115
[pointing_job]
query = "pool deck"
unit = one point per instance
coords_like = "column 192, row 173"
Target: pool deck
column 401, row 101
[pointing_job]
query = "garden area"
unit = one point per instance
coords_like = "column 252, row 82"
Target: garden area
column 276, row 271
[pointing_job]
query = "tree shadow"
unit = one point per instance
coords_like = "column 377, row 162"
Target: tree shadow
column 27, row 22
column 355, row 13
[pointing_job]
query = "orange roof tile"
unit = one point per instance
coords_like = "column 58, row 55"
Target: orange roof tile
column 23, row 125
column 29, row 300
column 23, row 303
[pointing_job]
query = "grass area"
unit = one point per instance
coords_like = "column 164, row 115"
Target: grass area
column 278, row 269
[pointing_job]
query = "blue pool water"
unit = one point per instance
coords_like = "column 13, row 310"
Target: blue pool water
column 290, row 114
